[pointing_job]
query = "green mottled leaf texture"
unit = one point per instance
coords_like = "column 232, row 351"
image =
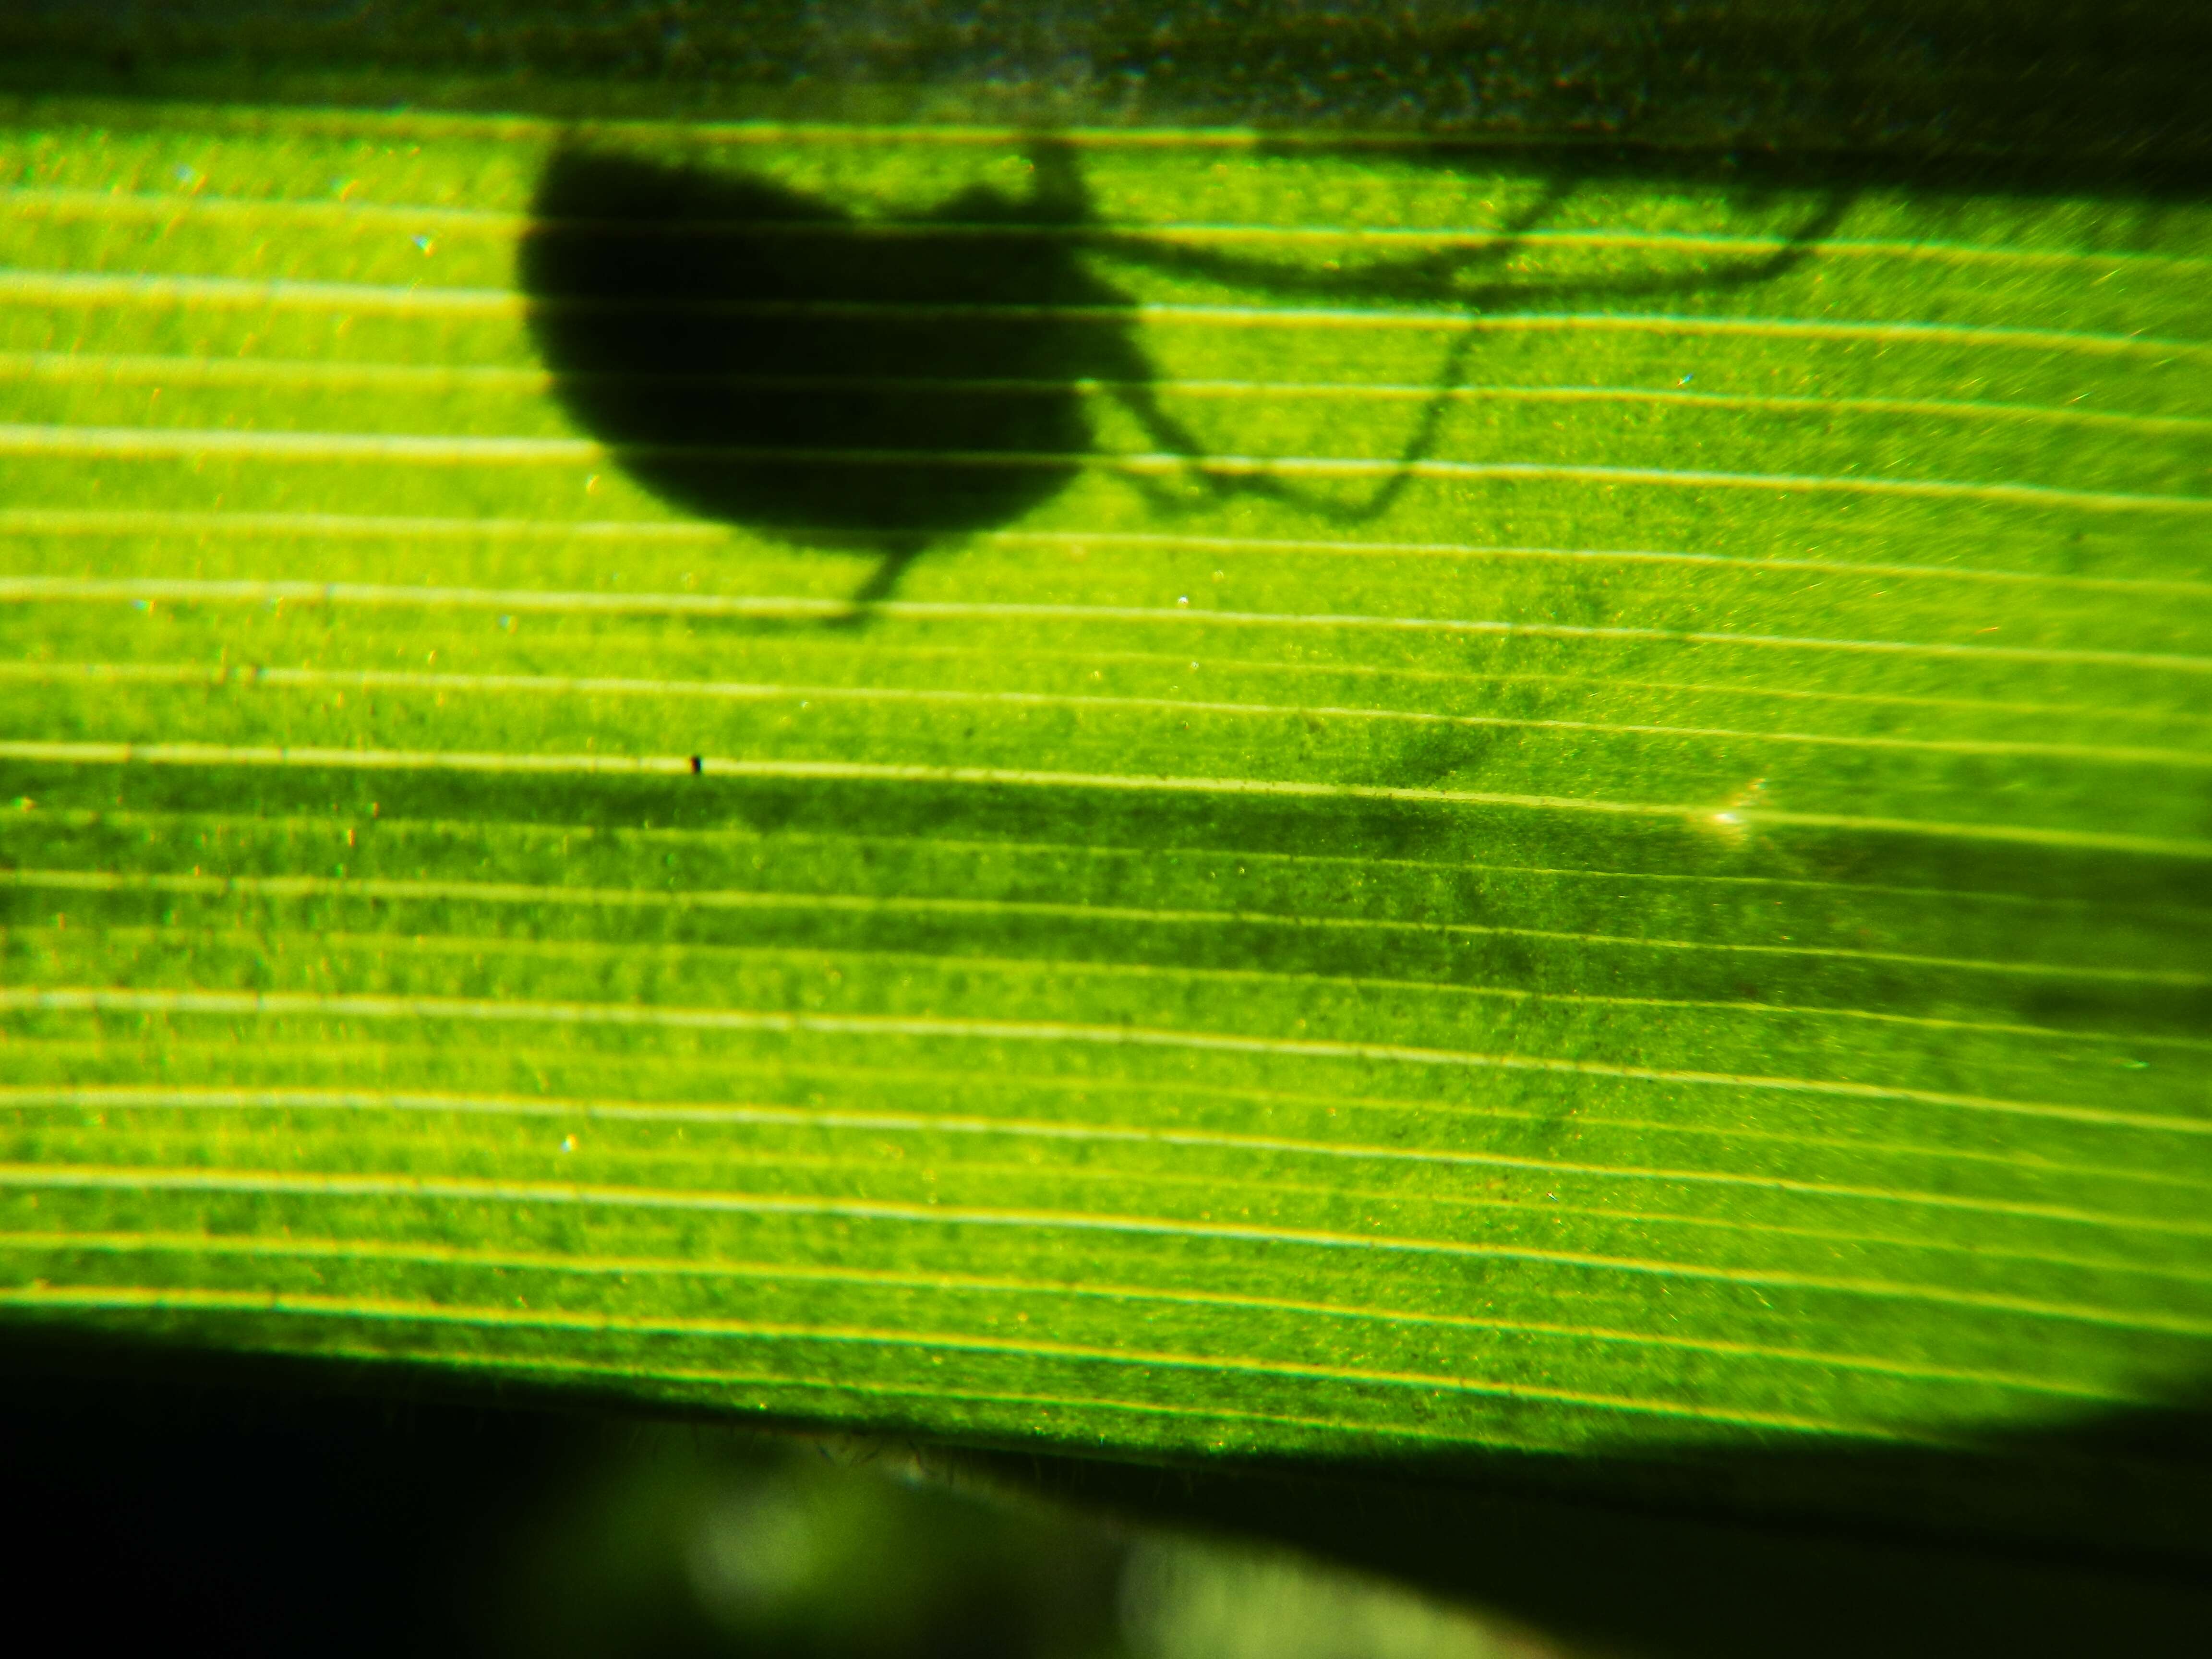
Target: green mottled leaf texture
column 1578, row 820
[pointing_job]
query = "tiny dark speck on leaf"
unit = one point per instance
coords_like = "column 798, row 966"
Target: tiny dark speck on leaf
column 698, row 765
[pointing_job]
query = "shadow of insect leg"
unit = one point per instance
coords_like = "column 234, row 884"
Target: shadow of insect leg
column 882, row 583
column 1805, row 241
column 1058, row 193
column 1171, row 438
column 1800, row 245
column 1451, row 379
column 1496, row 297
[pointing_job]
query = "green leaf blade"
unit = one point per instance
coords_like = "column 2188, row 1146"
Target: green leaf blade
column 1631, row 878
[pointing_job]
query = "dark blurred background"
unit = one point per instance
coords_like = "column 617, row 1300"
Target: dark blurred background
column 2111, row 83
column 186, row 1517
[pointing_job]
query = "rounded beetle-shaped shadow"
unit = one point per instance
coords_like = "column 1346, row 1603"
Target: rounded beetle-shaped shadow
column 756, row 354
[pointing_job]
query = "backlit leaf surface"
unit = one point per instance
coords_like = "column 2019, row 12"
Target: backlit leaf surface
column 1578, row 820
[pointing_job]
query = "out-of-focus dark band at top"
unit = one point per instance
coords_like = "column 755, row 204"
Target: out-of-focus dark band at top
column 2049, row 91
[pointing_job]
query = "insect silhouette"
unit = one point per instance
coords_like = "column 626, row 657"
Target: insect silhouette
column 758, row 355
column 762, row 356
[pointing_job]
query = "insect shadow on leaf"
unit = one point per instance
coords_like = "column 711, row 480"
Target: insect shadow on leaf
column 759, row 356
